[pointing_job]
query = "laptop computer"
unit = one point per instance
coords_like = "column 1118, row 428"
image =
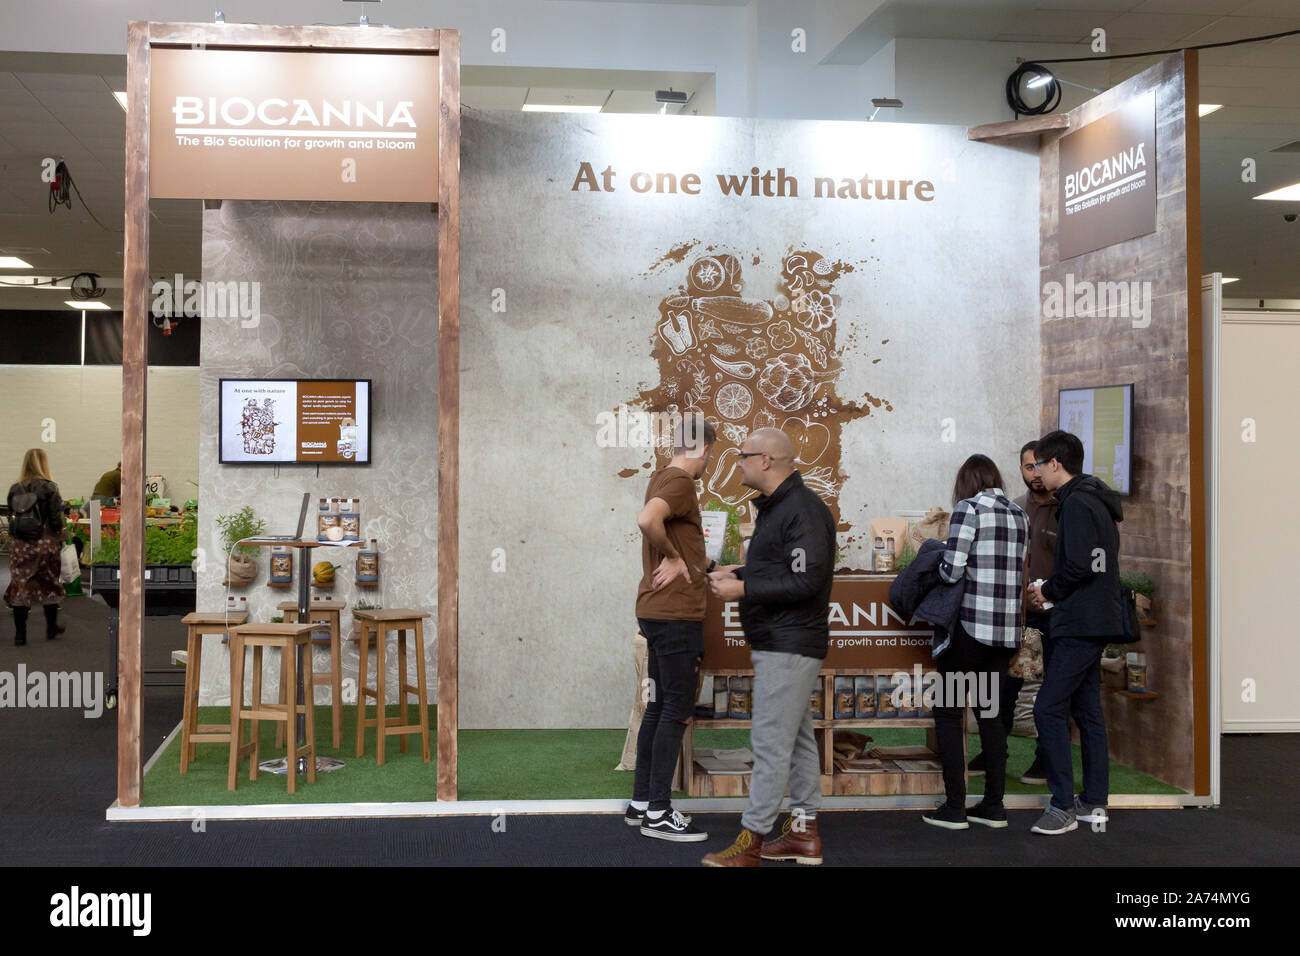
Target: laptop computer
column 302, row 520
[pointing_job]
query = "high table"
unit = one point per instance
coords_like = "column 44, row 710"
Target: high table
column 305, row 546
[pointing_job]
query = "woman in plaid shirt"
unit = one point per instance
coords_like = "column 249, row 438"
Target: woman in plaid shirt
column 988, row 538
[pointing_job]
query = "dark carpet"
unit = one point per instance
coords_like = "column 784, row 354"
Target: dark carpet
column 60, row 772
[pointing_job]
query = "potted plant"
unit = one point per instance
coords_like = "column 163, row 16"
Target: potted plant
column 1112, row 658
column 241, row 563
column 363, row 605
column 1143, row 589
column 732, row 542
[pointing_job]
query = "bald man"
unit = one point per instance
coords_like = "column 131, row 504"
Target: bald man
column 784, row 590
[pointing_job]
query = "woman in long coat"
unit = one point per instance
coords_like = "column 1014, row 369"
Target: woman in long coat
column 35, row 539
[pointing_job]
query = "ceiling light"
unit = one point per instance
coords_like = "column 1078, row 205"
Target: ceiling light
column 671, row 96
column 13, row 262
column 1226, row 279
column 1205, row 109
column 1285, row 194
column 121, row 99
column 86, row 304
column 557, row 108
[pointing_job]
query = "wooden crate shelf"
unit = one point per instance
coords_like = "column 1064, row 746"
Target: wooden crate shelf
column 700, row 783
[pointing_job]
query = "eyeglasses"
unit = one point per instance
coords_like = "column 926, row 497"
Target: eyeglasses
column 749, row 454
column 1038, row 465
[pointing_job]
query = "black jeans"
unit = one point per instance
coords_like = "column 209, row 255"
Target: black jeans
column 1072, row 688
column 985, row 667
column 675, row 650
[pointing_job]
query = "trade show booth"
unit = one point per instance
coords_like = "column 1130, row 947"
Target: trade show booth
column 894, row 297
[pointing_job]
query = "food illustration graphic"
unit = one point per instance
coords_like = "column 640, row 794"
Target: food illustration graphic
column 257, row 427
column 748, row 362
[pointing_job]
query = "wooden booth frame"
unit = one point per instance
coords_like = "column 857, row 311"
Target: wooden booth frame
column 142, row 37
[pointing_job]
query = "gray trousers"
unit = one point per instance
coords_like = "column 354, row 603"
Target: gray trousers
column 781, row 736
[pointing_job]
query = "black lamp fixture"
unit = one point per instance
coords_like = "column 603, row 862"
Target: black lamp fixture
column 1035, row 76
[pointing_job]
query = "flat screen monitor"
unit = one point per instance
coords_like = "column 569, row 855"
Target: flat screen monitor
column 1102, row 418
column 304, row 421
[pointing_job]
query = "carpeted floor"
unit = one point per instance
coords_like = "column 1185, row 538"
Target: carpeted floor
column 60, row 769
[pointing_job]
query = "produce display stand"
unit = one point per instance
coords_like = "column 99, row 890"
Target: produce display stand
column 700, row 783
column 867, row 637
column 169, row 592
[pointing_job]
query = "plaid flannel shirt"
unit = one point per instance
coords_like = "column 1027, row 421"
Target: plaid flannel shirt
column 988, row 537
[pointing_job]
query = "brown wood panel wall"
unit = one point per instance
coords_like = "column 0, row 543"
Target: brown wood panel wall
column 1159, row 534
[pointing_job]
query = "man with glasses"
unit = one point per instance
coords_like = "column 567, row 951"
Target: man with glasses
column 784, row 590
column 1087, row 614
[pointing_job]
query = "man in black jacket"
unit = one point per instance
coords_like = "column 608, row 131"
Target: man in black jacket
column 784, row 589
column 1084, row 590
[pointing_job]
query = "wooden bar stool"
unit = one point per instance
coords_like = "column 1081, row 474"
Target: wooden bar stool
column 326, row 611
column 377, row 623
column 192, row 733
column 288, row 638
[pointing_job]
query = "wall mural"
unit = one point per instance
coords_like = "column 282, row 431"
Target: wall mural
column 749, row 363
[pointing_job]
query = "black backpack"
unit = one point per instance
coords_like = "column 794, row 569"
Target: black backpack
column 26, row 523
column 1132, row 627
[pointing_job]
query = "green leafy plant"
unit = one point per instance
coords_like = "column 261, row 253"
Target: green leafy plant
column 1113, row 652
column 1138, row 582
column 907, row 557
column 235, row 527
column 278, row 619
column 731, row 540
column 363, row 605
column 174, row 545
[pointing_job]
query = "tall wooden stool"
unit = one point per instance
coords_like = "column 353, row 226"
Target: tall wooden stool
column 376, row 624
column 192, row 732
column 325, row 611
column 288, row 638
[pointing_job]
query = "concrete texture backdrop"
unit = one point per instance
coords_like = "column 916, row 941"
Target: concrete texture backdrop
column 559, row 302
column 347, row 291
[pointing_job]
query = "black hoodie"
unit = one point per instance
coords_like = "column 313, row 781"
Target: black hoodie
column 1084, row 586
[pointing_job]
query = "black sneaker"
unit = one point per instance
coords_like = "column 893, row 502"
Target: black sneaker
column 633, row 817
column 1036, row 774
column 976, row 766
column 946, row 817
column 672, row 826
column 987, row 815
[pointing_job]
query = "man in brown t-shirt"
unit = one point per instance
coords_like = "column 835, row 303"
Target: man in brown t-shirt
column 670, row 613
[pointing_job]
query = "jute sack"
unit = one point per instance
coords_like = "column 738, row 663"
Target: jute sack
column 240, row 570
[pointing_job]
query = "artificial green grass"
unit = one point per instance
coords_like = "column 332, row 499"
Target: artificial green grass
column 493, row 765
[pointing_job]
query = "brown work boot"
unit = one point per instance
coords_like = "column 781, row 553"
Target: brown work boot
column 802, row 847
column 744, row 852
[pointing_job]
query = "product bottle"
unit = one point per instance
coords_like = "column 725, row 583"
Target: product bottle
column 368, row 564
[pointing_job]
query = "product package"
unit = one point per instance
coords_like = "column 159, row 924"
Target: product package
column 933, row 525
column 720, row 700
column 885, row 708
column 350, row 518
column 327, row 516
column 741, row 697
column 368, row 564
column 887, row 538
column 817, row 703
column 1136, row 671
column 845, row 708
column 864, row 689
column 281, row 565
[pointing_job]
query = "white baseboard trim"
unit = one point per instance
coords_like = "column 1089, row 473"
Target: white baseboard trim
column 1284, row 725
column 458, row 808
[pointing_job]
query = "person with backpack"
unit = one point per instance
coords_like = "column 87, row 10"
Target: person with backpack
column 35, row 539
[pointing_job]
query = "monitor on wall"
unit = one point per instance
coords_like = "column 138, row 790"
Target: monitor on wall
column 295, row 421
column 1102, row 418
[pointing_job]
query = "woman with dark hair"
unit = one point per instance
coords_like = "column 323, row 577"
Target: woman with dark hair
column 988, row 536
column 35, row 538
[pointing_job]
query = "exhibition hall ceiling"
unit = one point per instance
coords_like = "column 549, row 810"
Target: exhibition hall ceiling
column 61, row 106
